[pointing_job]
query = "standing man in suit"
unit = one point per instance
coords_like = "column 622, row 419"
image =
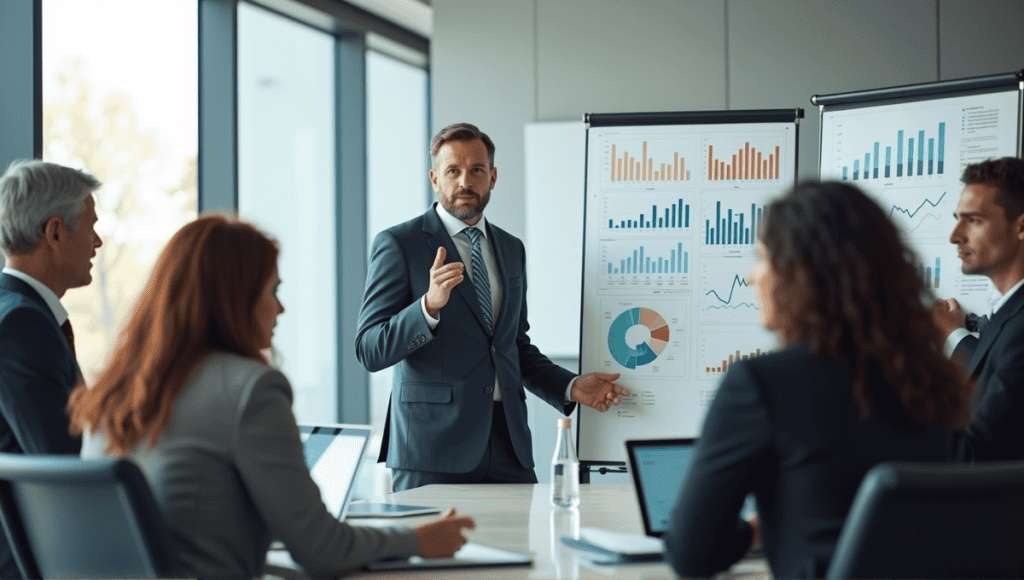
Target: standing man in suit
column 989, row 235
column 445, row 302
column 47, row 214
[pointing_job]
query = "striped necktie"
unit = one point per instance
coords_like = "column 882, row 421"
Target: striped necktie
column 480, row 280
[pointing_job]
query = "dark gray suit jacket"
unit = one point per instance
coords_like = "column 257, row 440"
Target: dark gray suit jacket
column 439, row 417
column 995, row 361
column 37, row 372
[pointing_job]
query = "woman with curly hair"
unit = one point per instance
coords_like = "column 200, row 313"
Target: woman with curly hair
column 190, row 398
column 860, row 379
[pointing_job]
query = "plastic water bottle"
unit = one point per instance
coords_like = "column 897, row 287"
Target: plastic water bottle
column 565, row 468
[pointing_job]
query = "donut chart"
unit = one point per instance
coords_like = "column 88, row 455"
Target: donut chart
column 645, row 351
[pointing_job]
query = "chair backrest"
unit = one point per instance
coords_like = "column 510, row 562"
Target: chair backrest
column 932, row 520
column 69, row 518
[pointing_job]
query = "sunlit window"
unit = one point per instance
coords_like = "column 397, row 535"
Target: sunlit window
column 398, row 187
column 120, row 101
column 286, row 185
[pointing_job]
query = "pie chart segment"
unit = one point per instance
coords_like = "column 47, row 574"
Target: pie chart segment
column 630, row 353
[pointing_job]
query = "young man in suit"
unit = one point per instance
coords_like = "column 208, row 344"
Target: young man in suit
column 989, row 235
column 47, row 214
column 445, row 303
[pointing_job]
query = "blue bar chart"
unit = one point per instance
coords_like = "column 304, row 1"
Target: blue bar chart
column 925, row 155
column 732, row 226
column 634, row 258
column 675, row 216
column 930, row 277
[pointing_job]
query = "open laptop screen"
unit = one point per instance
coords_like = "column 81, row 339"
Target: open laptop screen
column 658, row 467
column 333, row 453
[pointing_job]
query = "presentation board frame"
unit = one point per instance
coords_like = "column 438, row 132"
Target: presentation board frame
column 655, row 119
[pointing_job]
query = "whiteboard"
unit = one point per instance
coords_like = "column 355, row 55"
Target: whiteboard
column 554, row 168
column 671, row 217
column 909, row 156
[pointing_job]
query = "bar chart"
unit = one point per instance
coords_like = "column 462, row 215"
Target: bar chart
column 916, row 154
column 633, row 214
column 930, row 276
column 731, row 224
column 721, row 350
column 646, row 161
column 629, row 258
column 747, row 163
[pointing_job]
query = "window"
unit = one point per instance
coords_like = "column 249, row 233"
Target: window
column 398, row 187
column 286, row 171
column 120, row 101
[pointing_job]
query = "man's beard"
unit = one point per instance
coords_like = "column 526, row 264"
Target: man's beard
column 448, row 203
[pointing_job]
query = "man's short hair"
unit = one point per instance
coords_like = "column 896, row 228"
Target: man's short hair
column 459, row 132
column 1007, row 174
column 33, row 191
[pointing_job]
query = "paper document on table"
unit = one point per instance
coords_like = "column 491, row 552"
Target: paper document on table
column 470, row 555
column 623, row 545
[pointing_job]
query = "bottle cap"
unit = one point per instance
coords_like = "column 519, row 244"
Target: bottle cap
column 564, row 423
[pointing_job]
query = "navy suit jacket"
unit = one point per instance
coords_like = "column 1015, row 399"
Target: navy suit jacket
column 439, row 416
column 37, row 372
column 785, row 427
column 995, row 361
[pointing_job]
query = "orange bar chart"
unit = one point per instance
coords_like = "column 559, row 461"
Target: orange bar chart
column 733, row 358
column 746, row 164
column 628, row 167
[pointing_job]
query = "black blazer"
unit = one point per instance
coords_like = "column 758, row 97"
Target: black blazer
column 37, row 373
column 995, row 361
column 785, row 427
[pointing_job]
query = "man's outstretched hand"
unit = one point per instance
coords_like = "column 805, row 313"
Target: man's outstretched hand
column 598, row 391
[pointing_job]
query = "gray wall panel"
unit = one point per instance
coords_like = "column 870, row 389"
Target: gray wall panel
column 625, row 56
column 781, row 53
column 980, row 37
column 482, row 72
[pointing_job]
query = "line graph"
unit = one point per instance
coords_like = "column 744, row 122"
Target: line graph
column 727, row 297
column 924, row 219
column 727, row 301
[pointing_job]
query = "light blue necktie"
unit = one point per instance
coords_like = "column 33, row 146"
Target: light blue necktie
column 480, row 280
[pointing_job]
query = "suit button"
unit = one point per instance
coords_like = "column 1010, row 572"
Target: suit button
column 488, row 389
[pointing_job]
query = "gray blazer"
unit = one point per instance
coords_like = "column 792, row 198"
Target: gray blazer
column 439, row 418
column 230, row 475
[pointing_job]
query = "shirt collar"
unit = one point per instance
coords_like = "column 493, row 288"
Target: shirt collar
column 59, row 312
column 997, row 300
column 454, row 225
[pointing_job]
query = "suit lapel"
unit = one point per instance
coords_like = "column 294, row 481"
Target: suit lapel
column 437, row 237
column 988, row 337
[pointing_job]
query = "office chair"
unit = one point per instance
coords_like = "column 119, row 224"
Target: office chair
column 921, row 520
column 69, row 518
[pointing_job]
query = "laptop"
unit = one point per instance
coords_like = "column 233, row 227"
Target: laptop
column 333, row 454
column 658, row 467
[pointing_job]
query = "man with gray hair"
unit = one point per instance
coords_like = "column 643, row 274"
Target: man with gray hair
column 47, row 214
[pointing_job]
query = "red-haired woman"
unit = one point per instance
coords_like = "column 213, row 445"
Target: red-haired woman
column 190, row 398
column 861, row 379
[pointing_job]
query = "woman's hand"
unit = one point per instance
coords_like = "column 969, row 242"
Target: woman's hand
column 442, row 537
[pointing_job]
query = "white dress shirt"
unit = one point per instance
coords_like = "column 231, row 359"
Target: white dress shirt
column 59, row 312
column 996, row 301
column 455, row 226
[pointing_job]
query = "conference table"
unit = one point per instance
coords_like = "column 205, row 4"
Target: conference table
column 519, row 518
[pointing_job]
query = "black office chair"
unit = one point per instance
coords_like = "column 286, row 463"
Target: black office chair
column 69, row 518
column 921, row 520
